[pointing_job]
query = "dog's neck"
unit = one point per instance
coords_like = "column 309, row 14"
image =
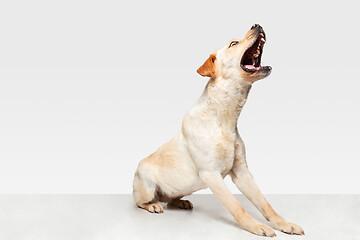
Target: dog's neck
column 224, row 99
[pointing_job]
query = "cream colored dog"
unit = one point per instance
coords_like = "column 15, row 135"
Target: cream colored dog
column 209, row 147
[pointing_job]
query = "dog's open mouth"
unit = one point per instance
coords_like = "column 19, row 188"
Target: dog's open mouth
column 251, row 59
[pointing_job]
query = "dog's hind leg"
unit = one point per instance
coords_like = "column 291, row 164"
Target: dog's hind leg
column 144, row 195
column 183, row 204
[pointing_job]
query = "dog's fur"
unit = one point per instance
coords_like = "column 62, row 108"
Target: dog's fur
column 209, row 147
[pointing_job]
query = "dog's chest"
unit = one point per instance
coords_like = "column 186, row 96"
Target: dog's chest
column 225, row 149
column 227, row 164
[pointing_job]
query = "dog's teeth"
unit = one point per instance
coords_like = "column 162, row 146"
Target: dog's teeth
column 262, row 39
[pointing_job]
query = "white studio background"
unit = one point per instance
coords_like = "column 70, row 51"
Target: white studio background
column 89, row 88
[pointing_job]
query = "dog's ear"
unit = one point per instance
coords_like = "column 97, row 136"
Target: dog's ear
column 208, row 68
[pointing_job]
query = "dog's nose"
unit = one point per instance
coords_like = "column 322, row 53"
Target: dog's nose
column 255, row 26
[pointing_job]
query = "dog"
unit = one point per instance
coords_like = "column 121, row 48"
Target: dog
column 209, row 147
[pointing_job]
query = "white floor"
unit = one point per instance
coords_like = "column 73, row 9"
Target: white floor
column 103, row 217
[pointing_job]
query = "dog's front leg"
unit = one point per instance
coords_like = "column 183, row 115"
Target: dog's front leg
column 216, row 183
column 242, row 178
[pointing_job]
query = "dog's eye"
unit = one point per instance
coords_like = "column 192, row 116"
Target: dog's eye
column 233, row 43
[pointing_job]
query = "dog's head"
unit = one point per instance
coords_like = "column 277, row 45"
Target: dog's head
column 239, row 59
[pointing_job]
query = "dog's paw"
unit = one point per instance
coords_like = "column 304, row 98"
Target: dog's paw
column 154, row 208
column 262, row 230
column 183, row 204
column 288, row 227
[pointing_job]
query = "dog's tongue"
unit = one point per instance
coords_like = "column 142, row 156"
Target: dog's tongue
column 252, row 67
